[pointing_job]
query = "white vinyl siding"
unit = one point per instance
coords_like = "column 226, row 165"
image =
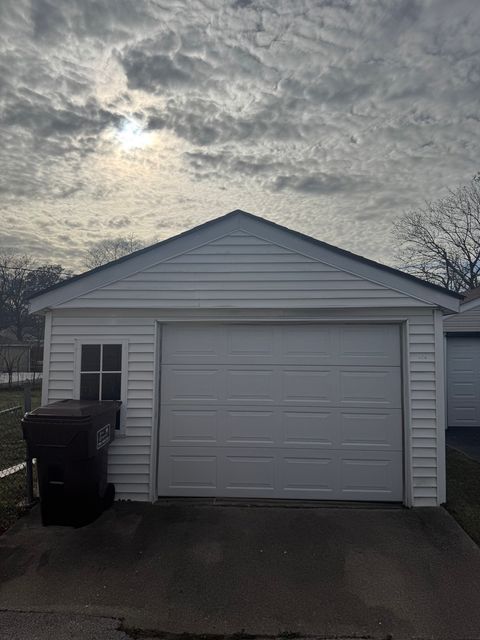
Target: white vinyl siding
column 241, row 270
column 465, row 321
column 129, row 457
column 423, row 410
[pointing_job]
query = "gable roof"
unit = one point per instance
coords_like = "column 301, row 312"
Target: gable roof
column 117, row 269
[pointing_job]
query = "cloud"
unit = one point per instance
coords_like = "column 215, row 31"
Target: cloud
column 331, row 117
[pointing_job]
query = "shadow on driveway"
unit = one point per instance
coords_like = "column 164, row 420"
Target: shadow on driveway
column 323, row 572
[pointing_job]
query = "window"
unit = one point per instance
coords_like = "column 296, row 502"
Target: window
column 101, row 373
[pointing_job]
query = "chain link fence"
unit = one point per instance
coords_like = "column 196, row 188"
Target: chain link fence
column 15, row 475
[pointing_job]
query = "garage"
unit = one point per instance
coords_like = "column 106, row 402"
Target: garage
column 258, row 362
column 304, row 411
column 463, row 366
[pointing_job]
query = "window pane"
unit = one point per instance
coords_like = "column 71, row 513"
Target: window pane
column 112, row 357
column 89, row 386
column 111, row 386
column 90, row 357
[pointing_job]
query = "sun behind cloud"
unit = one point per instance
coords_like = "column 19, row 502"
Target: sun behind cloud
column 132, row 134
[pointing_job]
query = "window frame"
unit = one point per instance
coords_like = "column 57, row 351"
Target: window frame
column 123, row 374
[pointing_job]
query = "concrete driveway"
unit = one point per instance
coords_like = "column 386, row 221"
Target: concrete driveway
column 466, row 440
column 208, row 569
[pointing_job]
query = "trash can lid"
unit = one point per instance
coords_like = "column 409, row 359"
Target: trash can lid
column 74, row 408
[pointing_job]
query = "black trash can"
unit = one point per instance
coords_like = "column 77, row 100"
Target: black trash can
column 70, row 441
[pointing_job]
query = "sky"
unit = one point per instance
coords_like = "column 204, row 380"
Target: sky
column 149, row 117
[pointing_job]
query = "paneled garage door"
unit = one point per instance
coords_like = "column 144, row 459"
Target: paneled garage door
column 463, row 367
column 281, row 411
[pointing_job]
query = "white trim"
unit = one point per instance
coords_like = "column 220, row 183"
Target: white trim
column 445, row 378
column 155, row 439
column 440, row 406
column 407, row 415
column 403, row 327
column 292, row 319
column 46, row 356
column 468, row 306
column 124, row 373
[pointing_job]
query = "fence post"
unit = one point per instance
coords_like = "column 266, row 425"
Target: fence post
column 27, row 406
column 27, row 397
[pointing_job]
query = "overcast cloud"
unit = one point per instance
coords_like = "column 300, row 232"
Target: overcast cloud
column 329, row 117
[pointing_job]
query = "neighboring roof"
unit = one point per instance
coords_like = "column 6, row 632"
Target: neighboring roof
column 473, row 294
column 246, row 216
column 471, row 300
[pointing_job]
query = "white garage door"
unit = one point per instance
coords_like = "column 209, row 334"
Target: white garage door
column 281, row 411
column 463, row 367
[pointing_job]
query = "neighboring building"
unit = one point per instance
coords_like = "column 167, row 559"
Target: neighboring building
column 463, row 363
column 254, row 361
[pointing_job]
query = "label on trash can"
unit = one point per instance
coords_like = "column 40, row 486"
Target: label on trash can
column 103, row 436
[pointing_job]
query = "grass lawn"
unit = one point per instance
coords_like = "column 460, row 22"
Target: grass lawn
column 463, row 492
column 12, row 452
column 13, row 397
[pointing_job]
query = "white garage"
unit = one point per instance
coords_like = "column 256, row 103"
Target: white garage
column 256, row 362
column 463, row 366
column 463, row 363
column 281, row 411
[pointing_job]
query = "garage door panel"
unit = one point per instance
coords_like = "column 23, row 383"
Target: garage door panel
column 463, row 369
column 190, row 344
column 465, row 391
column 192, row 384
column 281, row 473
column 368, row 429
column 306, row 474
column 247, row 472
column 309, row 427
column 309, row 386
column 370, row 387
column 359, row 345
column 251, row 340
column 289, row 426
column 249, row 427
column 189, row 426
column 371, row 476
column 183, row 471
column 314, row 344
column 251, row 385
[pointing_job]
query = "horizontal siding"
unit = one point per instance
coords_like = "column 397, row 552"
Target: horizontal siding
column 242, row 271
column 129, row 456
column 423, row 413
column 465, row 321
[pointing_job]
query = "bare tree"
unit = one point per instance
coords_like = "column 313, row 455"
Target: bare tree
column 20, row 278
column 111, row 249
column 10, row 359
column 440, row 242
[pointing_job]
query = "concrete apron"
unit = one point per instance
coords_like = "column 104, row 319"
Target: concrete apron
column 265, row 571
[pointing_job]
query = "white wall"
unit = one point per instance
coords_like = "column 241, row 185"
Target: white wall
column 129, row 459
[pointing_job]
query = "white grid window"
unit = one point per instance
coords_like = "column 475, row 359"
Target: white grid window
column 101, row 372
